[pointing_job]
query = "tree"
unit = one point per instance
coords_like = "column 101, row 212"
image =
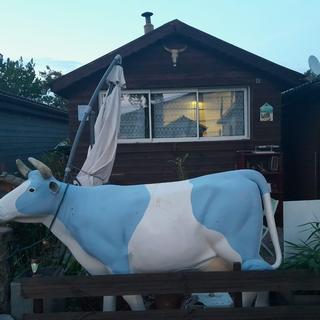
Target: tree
column 48, row 76
column 309, row 75
column 20, row 78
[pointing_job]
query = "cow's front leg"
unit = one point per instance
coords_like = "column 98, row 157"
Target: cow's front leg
column 121, row 266
column 109, row 303
column 135, row 302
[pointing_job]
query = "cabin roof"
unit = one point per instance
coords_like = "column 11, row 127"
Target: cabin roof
column 313, row 86
column 306, row 91
column 177, row 27
column 15, row 103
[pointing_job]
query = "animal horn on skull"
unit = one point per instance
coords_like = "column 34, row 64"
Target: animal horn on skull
column 23, row 169
column 174, row 53
column 44, row 169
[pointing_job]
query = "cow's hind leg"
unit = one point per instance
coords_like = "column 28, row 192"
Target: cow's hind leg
column 221, row 247
column 262, row 298
column 258, row 299
column 224, row 251
column 216, row 264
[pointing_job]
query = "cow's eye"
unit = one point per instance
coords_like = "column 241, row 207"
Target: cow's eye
column 32, row 189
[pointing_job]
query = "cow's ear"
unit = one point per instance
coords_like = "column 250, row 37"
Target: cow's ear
column 54, row 187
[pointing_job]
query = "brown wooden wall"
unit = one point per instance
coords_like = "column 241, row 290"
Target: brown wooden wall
column 197, row 67
column 301, row 132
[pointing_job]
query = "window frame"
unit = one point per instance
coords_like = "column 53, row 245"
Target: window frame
column 245, row 136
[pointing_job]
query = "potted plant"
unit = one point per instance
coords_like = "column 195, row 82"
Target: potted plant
column 305, row 255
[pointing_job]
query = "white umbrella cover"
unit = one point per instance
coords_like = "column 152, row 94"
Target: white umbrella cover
column 97, row 167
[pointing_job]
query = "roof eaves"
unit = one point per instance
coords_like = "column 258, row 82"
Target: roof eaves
column 9, row 97
column 312, row 87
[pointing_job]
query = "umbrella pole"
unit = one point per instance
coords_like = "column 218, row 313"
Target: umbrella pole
column 91, row 124
column 116, row 60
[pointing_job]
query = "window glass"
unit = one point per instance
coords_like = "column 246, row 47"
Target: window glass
column 134, row 121
column 221, row 113
column 174, row 115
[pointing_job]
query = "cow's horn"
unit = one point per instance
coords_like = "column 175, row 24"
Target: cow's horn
column 23, row 169
column 44, row 169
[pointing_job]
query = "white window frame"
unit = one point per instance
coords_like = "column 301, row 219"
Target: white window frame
column 245, row 136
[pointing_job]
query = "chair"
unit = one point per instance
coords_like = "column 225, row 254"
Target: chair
column 265, row 230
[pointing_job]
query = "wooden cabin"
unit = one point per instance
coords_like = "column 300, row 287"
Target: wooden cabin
column 213, row 102
column 301, row 141
column 28, row 129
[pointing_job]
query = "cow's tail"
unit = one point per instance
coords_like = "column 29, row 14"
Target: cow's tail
column 272, row 228
column 259, row 179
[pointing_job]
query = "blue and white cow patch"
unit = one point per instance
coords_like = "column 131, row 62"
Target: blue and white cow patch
column 237, row 214
column 103, row 219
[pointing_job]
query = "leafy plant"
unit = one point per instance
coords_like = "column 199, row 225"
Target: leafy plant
column 56, row 159
column 179, row 163
column 306, row 253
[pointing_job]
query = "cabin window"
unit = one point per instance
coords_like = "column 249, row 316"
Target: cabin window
column 183, row 115
column 174, row 115
column 134, row 121
column 222, row 113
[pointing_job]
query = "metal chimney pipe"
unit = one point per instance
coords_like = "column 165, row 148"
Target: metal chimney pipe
column 148, row 26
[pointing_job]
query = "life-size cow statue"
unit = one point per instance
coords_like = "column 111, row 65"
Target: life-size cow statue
column 150, row 228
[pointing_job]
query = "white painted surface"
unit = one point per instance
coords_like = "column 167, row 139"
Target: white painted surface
column 296, row 213
column 190, row 245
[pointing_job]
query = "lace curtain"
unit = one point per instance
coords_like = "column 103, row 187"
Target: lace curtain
column 134, row 121
column 222, row 113
column 174, row 115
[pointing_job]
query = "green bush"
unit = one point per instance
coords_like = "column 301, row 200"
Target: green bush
column 306, row 253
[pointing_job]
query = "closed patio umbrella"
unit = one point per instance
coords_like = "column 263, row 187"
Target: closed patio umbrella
column 98, row 165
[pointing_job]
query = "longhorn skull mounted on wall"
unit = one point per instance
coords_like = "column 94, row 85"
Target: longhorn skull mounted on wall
column 175, row 53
